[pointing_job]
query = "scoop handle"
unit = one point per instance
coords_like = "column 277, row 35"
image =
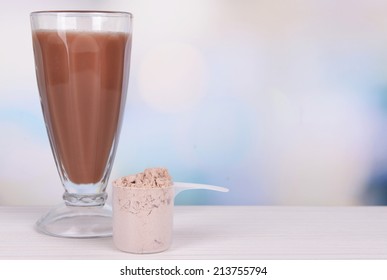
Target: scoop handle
column 180, row 186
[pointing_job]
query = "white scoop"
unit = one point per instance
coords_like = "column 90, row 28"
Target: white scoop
column 180, row 186
column 143, row 217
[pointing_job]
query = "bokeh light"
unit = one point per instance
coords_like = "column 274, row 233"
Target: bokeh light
column 172, row 77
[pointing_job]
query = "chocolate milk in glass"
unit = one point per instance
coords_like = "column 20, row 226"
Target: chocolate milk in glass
column 80, row 78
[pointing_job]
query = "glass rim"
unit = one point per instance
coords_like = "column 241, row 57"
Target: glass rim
column 82, row 12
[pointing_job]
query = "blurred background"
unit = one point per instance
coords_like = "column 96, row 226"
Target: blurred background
column 283, row 102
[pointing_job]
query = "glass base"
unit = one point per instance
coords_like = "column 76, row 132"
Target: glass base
column 77, row 222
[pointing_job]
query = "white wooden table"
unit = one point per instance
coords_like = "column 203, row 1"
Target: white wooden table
column 220, row 232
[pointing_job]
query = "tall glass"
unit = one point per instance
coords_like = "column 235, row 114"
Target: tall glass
column 82, row 66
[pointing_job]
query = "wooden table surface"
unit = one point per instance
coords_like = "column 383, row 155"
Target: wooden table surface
column 220, row 232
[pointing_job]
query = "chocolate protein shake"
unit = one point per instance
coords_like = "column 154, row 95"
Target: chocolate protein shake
column 80, row 78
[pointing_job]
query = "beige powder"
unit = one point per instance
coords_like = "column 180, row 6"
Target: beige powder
column 143, row 211
column 150, row 178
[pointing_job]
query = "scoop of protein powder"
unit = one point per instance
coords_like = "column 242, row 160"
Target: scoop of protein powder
column 143, row 211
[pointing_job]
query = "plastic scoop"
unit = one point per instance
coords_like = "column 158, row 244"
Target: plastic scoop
column 143, row 217
column 180, row 187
